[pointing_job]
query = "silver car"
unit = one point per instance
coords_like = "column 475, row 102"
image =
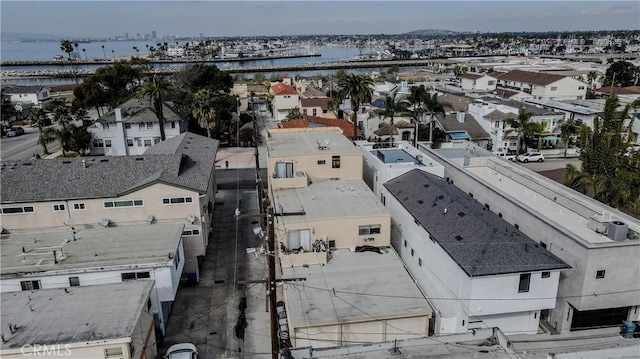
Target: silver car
column 15, row 131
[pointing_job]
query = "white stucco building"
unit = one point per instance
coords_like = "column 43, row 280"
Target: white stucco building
column 27, row 96
column 543, row 86
column 285, row 98
column 478, row 82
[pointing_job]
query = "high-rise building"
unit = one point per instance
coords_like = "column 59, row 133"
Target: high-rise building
column 126, row 35
column 153, row 34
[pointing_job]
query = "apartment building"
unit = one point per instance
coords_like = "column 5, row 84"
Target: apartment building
column 74, row 258
column 285, row 98
column 131, row 128
column 478, row 82
column 173, row 181
column 542, row 86
column 599, row 243
column 328, row 224
column 99, row 321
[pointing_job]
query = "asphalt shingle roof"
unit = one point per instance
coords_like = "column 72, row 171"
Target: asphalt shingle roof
column 479, row 241
column 186, row 160
column 450, row 123
column 22, row 89
column 535, row 78
column 140, row 110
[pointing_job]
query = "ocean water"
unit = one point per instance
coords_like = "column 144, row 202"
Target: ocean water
column 45, row 51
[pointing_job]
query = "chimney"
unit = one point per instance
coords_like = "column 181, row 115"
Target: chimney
column 460, row 116
column 118, row 112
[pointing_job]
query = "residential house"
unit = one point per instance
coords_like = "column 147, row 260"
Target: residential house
column 478, row 82
column 597, row 241
column 77, row 257
column 99, row 321
column 173, row 180
column 402, row 130
column 317, row 107
column 468, row 260
column 285, row 98
column 462, row 126
column 132, row 128
column 542, row 86
column 28, row 96
column 328, row 222
column 310, row 121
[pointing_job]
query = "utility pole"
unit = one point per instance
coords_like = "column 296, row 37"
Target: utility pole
column 271, row 257
column 255, row 144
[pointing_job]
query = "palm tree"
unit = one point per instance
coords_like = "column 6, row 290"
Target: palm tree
column 44, row 138
column 104, row 53
column 84, row 51
column 359, row 89
column 113, row 52
column 592, row 76
column 61, row 113
column 204, row 111
column 269, row 96
column 575, row 179
column 433, row 106
column 520, row 125
column 393, row 104
column 156, row 88
column 568, row 129
column 416, row 95
column 67, row 47
column 63, row 135
column 38, row 118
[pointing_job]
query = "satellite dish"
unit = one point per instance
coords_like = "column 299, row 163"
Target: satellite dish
column 150, row 218
column 191, row 218
column 70, row 222
column 170, row 255
column 104, row 222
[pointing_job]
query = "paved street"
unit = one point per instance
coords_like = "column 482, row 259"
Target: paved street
column 552, row 164
column 22, row 147
column 206, row 315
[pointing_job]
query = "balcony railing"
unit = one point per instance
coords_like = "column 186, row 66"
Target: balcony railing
column 299, row 180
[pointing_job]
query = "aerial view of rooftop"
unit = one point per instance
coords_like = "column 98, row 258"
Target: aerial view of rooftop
column 320, row 179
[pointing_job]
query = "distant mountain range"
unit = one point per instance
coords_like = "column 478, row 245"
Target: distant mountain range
column 432, row 32
column 30, row 36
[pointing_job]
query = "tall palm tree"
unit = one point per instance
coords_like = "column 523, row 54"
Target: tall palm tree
column 520, row 125
column 113, row 52
column 359, row 89
column 84, row 51
column 204, row 111
column 416, row 95
column 592, row 76
column 394, row 104
column 104, row 53
column 268, row 96
column 38, row 118
column 44, row 138
column 568, row 129
column 67, row 47
column 433, row 106
column 156, row 88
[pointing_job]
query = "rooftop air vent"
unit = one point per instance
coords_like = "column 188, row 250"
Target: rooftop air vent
column 617, row 230
column 104, row 160
column 458, row 238
column 139, row 158
column 461, row 214
column 104, row 222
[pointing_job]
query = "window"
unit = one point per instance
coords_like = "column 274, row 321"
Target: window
column 284, row 170
column 141, row 126
column 315, row 112
column 177, row 200
column 325, row 111
column 113, row 353
column 523, row 286
column 79, row 206
column 369, row 229
column 156, row 140
column 545, row 275
column 133, row 203
column 98, row 143
column 127, row 126
column 147, row 143
column 135, row 275
column 491, row 82
column 554, row 88
column 335, row 161
column 58, row 207
column 383, row 199
column 600, row 274
column 149, row 125
column 107, row 143
column 129, row 142
column 30, row 284
column 580, row 87
column 322, row 162
column 74, row 281
column 16, row 210
column 300, row 239
column 191, row 232
column 173, row 124
column 105, row 126
column 304, row 111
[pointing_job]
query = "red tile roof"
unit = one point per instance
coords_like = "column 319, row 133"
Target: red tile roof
column 535, row 78
column 283, row 89
column 629, row 90
column 345, row 126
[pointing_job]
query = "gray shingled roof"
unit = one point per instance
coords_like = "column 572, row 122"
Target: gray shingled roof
column 477, row 239
column 139, row 110
column 186, row 160
column 22, row 88
column 450, row 123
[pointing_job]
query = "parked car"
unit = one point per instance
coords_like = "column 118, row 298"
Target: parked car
column 505, row 155
column 15, row 131
column 531, row 157
column 182, row 351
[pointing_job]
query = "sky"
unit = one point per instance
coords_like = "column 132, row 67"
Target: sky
column 273, row 18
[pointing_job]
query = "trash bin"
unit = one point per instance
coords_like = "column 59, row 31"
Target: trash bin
column 628, row 327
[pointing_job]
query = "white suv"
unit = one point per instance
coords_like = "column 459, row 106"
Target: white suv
column 531, row 157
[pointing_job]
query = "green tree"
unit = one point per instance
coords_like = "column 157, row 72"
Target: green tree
column 568, row 129
column 433, row 106
column 45, row 137
column 268, row 96
column 358, row 88
column 61, row 112
column 575, row 179
column 394, row 104
column 204, row 111
column 522, row 126
column 38, row 118
column 156, row 89
column 415, row 98
column 460, row 70
column 592, row 76
column 79, row 139
column 622, row 72
column 67, row 47
column 293, row 114
column 8, row 110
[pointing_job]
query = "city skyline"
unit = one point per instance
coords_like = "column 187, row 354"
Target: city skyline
column 279, row 18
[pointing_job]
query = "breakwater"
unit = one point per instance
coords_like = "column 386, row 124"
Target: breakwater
column 375, row 64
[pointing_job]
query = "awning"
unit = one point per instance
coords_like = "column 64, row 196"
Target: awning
column 551, row 138
column 460, row 135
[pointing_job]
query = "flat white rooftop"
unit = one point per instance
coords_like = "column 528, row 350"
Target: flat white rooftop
column 306, row 141
column 325, row 199
column 366, row 284
column 93, row 249
column 73, row 315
